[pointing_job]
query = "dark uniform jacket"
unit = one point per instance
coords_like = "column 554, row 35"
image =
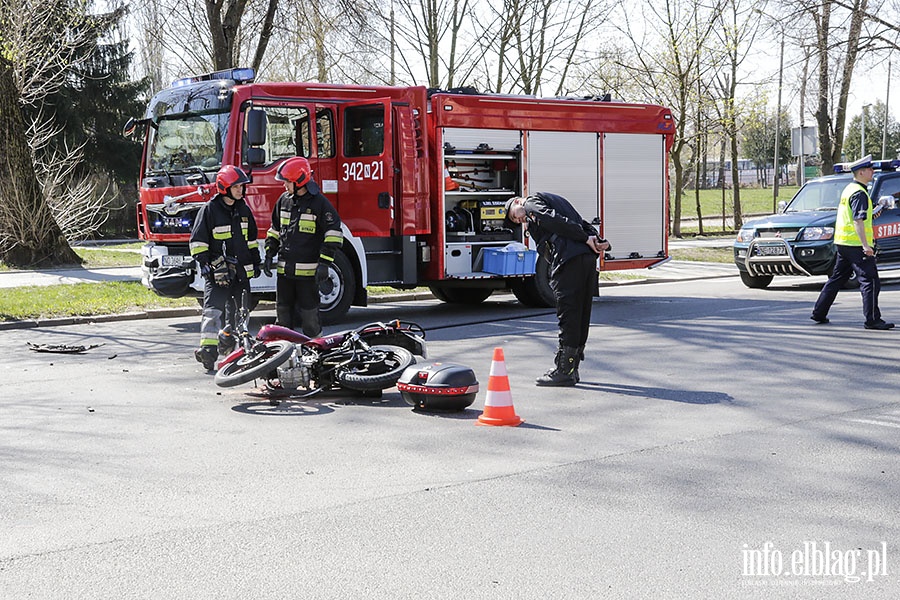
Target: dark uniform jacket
column 230, row 231
column 557, row 228
column 305, row 230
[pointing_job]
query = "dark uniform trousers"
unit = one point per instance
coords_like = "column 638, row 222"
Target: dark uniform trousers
column 220, row 306
column 575, row 284
column 850, row 259
column 297, row 304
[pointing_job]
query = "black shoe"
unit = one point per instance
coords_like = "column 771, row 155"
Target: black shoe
column 879, row 325
column 207, row 357
column 556, row 378
column 820, row 320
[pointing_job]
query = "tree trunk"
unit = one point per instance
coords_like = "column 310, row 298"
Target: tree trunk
column 265, row 35
column 29, row 235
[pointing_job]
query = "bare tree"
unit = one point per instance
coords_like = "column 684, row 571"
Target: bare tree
column 29, row 235
column 430, row 30
column 739, row 22
column 329, row 40
column 184, row 37
column 532, row 43
column 668, row 48
column 38, row 42
column 837, row 34
column 226, row 19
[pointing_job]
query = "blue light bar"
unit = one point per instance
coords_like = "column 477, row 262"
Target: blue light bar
column 877, row 165
column 242, row 75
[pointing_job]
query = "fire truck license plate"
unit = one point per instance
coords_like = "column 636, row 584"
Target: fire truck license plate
column 172, row 260
column 772, row 250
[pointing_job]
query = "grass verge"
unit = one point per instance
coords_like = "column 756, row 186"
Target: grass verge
column 82, row 299
column 753, row 201
column 715, row 255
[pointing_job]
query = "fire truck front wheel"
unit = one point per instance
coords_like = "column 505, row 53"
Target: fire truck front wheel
column 535, row 292
column 336, row 293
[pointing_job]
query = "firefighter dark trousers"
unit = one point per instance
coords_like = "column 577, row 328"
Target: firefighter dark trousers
column 220, row 306
column 574, row 283
column 297, row 304
column 852, row 259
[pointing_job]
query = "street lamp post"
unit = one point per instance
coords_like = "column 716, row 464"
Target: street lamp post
column 887, row 102
column 778, row 127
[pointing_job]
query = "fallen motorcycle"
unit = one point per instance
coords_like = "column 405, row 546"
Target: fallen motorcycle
column 367, row 359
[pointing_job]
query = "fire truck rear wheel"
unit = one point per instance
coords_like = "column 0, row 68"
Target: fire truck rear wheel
column 535, row 292
column 337, row 293
column 453, row 295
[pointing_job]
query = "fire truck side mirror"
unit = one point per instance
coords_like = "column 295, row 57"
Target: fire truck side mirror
column 256, row 156
column 132, row 125
column 256, row 127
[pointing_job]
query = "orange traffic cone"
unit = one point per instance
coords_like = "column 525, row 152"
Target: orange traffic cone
column 449, row 183
column 498, row 406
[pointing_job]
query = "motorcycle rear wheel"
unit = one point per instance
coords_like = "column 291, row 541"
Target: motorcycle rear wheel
column 379, row 369
column 261, row 361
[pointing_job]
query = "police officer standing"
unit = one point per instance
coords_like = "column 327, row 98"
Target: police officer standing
column 571, row 245
column 223, row 242
column 304, row 236
column 854, row 242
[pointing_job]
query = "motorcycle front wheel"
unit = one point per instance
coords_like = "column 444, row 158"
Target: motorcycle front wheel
column 377, row 369
column 260, row 361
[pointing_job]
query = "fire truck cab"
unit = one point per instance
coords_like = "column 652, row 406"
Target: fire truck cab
column 419, row 178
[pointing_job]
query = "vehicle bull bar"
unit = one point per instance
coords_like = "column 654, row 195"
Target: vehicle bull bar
column 772, row 256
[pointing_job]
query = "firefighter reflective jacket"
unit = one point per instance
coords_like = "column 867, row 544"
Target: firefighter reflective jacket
column 229, row 231
column 844, row 232
column 305, row 230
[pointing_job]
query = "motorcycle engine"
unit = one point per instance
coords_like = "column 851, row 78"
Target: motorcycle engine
column 294, row 374
column 297, row 372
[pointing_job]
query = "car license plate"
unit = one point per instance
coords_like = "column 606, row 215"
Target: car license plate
column 172, row 260
column 772, row 250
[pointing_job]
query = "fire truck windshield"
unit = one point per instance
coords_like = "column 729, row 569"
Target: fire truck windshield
column 187, row 142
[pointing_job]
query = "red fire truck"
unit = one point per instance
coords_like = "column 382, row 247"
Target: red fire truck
column 419, row 179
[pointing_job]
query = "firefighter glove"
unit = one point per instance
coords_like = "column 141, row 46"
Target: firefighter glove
column 321, row 272
column 267, row 265
column 256, row 271
column 205, row 270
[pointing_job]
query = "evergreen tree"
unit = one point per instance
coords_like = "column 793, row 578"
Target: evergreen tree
column 89, row 109
column 98, row 98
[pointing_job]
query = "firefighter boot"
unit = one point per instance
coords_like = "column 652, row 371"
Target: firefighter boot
column 310, row 321
column 564, row 373
column 226, row 341
column 206, row 355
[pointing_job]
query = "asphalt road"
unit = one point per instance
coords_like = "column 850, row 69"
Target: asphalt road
column 717, row 433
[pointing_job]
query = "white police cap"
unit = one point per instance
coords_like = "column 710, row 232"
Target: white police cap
column 865, row 161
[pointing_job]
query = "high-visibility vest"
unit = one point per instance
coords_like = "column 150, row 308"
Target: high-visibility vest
column 844, row 232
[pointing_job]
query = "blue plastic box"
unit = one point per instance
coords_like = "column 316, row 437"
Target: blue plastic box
column 509, row 261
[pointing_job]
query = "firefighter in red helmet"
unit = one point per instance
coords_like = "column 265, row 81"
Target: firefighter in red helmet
column 224, row 244
column 304, row 236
